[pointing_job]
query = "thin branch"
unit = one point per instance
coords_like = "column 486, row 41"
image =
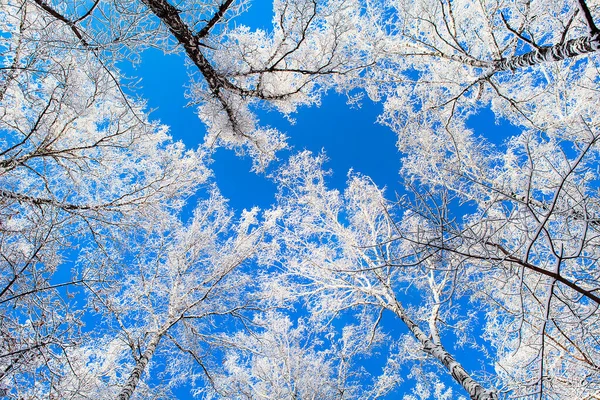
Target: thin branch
column 518, row 34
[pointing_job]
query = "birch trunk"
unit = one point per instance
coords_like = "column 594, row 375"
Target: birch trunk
column 462, row 377
column 139, row 368
column 571, row 48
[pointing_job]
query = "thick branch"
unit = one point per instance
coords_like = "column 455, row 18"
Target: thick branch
column 60, row 17
column 39, row 201
column 216, row 18
column 587, row 15
column 552, row 274
column 169, row 15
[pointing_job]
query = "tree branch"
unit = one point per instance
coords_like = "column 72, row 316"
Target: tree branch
column 216, row 18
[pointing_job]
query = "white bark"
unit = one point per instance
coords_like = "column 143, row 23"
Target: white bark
column 139, row 368
column 460, row 375
column 572, row 48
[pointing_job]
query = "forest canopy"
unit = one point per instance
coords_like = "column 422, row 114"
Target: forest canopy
column 125, row 273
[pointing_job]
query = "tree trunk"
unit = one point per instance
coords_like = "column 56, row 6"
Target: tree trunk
column 139, row 368
column 462, row 377
column 571, row 48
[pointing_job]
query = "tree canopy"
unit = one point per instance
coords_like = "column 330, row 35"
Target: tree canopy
column 125, row 273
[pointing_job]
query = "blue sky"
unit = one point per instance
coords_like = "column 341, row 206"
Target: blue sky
column 349, row 136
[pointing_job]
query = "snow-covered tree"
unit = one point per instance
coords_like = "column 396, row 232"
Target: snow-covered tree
column 305, row 359
column 79, row 163
column 158, row 301
column 530, row 246
column 343, row 252
column 534, row 64
column 513, row 277
column 91, row 192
